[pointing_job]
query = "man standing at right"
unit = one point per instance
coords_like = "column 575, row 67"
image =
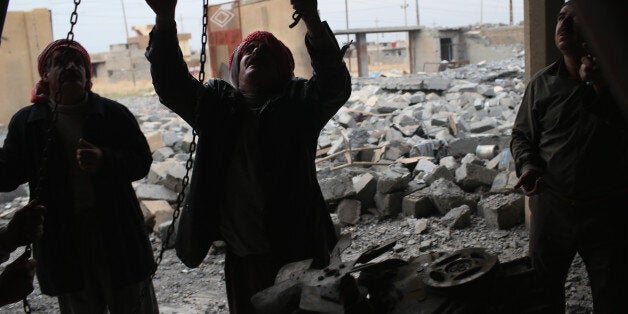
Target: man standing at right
column 570, row 146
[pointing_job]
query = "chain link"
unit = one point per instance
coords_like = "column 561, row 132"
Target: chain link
column 73, row 20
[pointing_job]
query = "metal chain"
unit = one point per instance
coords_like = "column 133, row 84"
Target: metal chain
column 188, row 165
column 43, row 168
column 73, row 20
column 190, row 162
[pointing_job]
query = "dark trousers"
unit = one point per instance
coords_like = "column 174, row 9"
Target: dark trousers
column 98, row 295
column 245, row 276
column 597, row 231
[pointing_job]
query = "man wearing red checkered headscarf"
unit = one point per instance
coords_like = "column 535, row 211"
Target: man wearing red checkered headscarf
column 60, row 48
column 94, row 254
column 254, row 182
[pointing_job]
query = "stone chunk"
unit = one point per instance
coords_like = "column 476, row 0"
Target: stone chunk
column 348, row 211
column 162, row 154
column 388, row 204
column 425, row 166
column 449, row 162
column 458, row 218
column 471, row 176
column 504, row 182
column 337, row 187
column 502, row 211
column 365, row 186
column 160, row 209
column 417, row 204
column 440, row 172
column 155, row 141
column 394, row 178
column 163, row 232
column 446, row 195
column 155, row 192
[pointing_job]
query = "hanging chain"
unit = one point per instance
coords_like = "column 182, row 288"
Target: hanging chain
column 43, row 168
column 73, row 20
column 188, row 166
column 190, row 162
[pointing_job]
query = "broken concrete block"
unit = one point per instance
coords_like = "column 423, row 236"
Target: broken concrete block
column 346, row 120
column 337, row 187
column 471, row 158
column 471, row 176
column 425, row 166
column 502, row 211
column 449, row 162
column 171, row 138
column 458, row 218
column 155, row 192
column 504, row 182
column 397, row 149
column 394, row 178
column 365, row 186
column 349, row 211
column 155, row 141
column 417, row 97
column 482, row 126
column 440, row 172
column 160, row 209
column 162, row 154
column 446, row 195
column 159, row 170
column 388, row 204
column 417, row 204
column 162, row 230
column 174, row 177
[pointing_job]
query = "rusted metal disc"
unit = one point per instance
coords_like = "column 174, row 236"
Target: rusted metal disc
column 460, row 268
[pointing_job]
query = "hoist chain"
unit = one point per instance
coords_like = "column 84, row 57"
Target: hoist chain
column 190, row 162
column 41, row 179
column 73, row 19
column 188, row 165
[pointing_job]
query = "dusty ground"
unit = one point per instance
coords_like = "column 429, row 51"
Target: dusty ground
column 201, row 290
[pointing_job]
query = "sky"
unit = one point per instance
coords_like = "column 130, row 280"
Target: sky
column 101, row 23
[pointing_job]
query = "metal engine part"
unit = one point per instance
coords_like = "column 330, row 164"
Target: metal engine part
column 460, row 269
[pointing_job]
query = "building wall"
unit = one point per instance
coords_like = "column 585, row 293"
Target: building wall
column 26, row 34
column 491, row 44
column 426, row 47
column 275, row 16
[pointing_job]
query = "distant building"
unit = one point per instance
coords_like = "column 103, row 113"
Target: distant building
column 126, row 62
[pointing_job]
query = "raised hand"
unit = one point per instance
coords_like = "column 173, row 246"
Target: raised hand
column 307, row 8
column 165, row 11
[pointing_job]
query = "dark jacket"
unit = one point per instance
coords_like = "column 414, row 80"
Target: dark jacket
column 297, row 220
column 126, row 158
column 563, row 129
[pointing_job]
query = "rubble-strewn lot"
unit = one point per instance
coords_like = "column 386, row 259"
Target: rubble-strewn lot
column 397, row 159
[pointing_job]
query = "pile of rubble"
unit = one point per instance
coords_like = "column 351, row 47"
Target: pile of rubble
column 399, row 145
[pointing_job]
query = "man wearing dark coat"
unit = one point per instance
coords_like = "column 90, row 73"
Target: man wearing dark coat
column 94, row 254
column 254, row 181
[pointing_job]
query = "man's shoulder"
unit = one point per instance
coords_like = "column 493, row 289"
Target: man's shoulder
column 29, row 112
column 546, row 72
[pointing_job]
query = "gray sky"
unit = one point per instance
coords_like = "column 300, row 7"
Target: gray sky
column 101, row 23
